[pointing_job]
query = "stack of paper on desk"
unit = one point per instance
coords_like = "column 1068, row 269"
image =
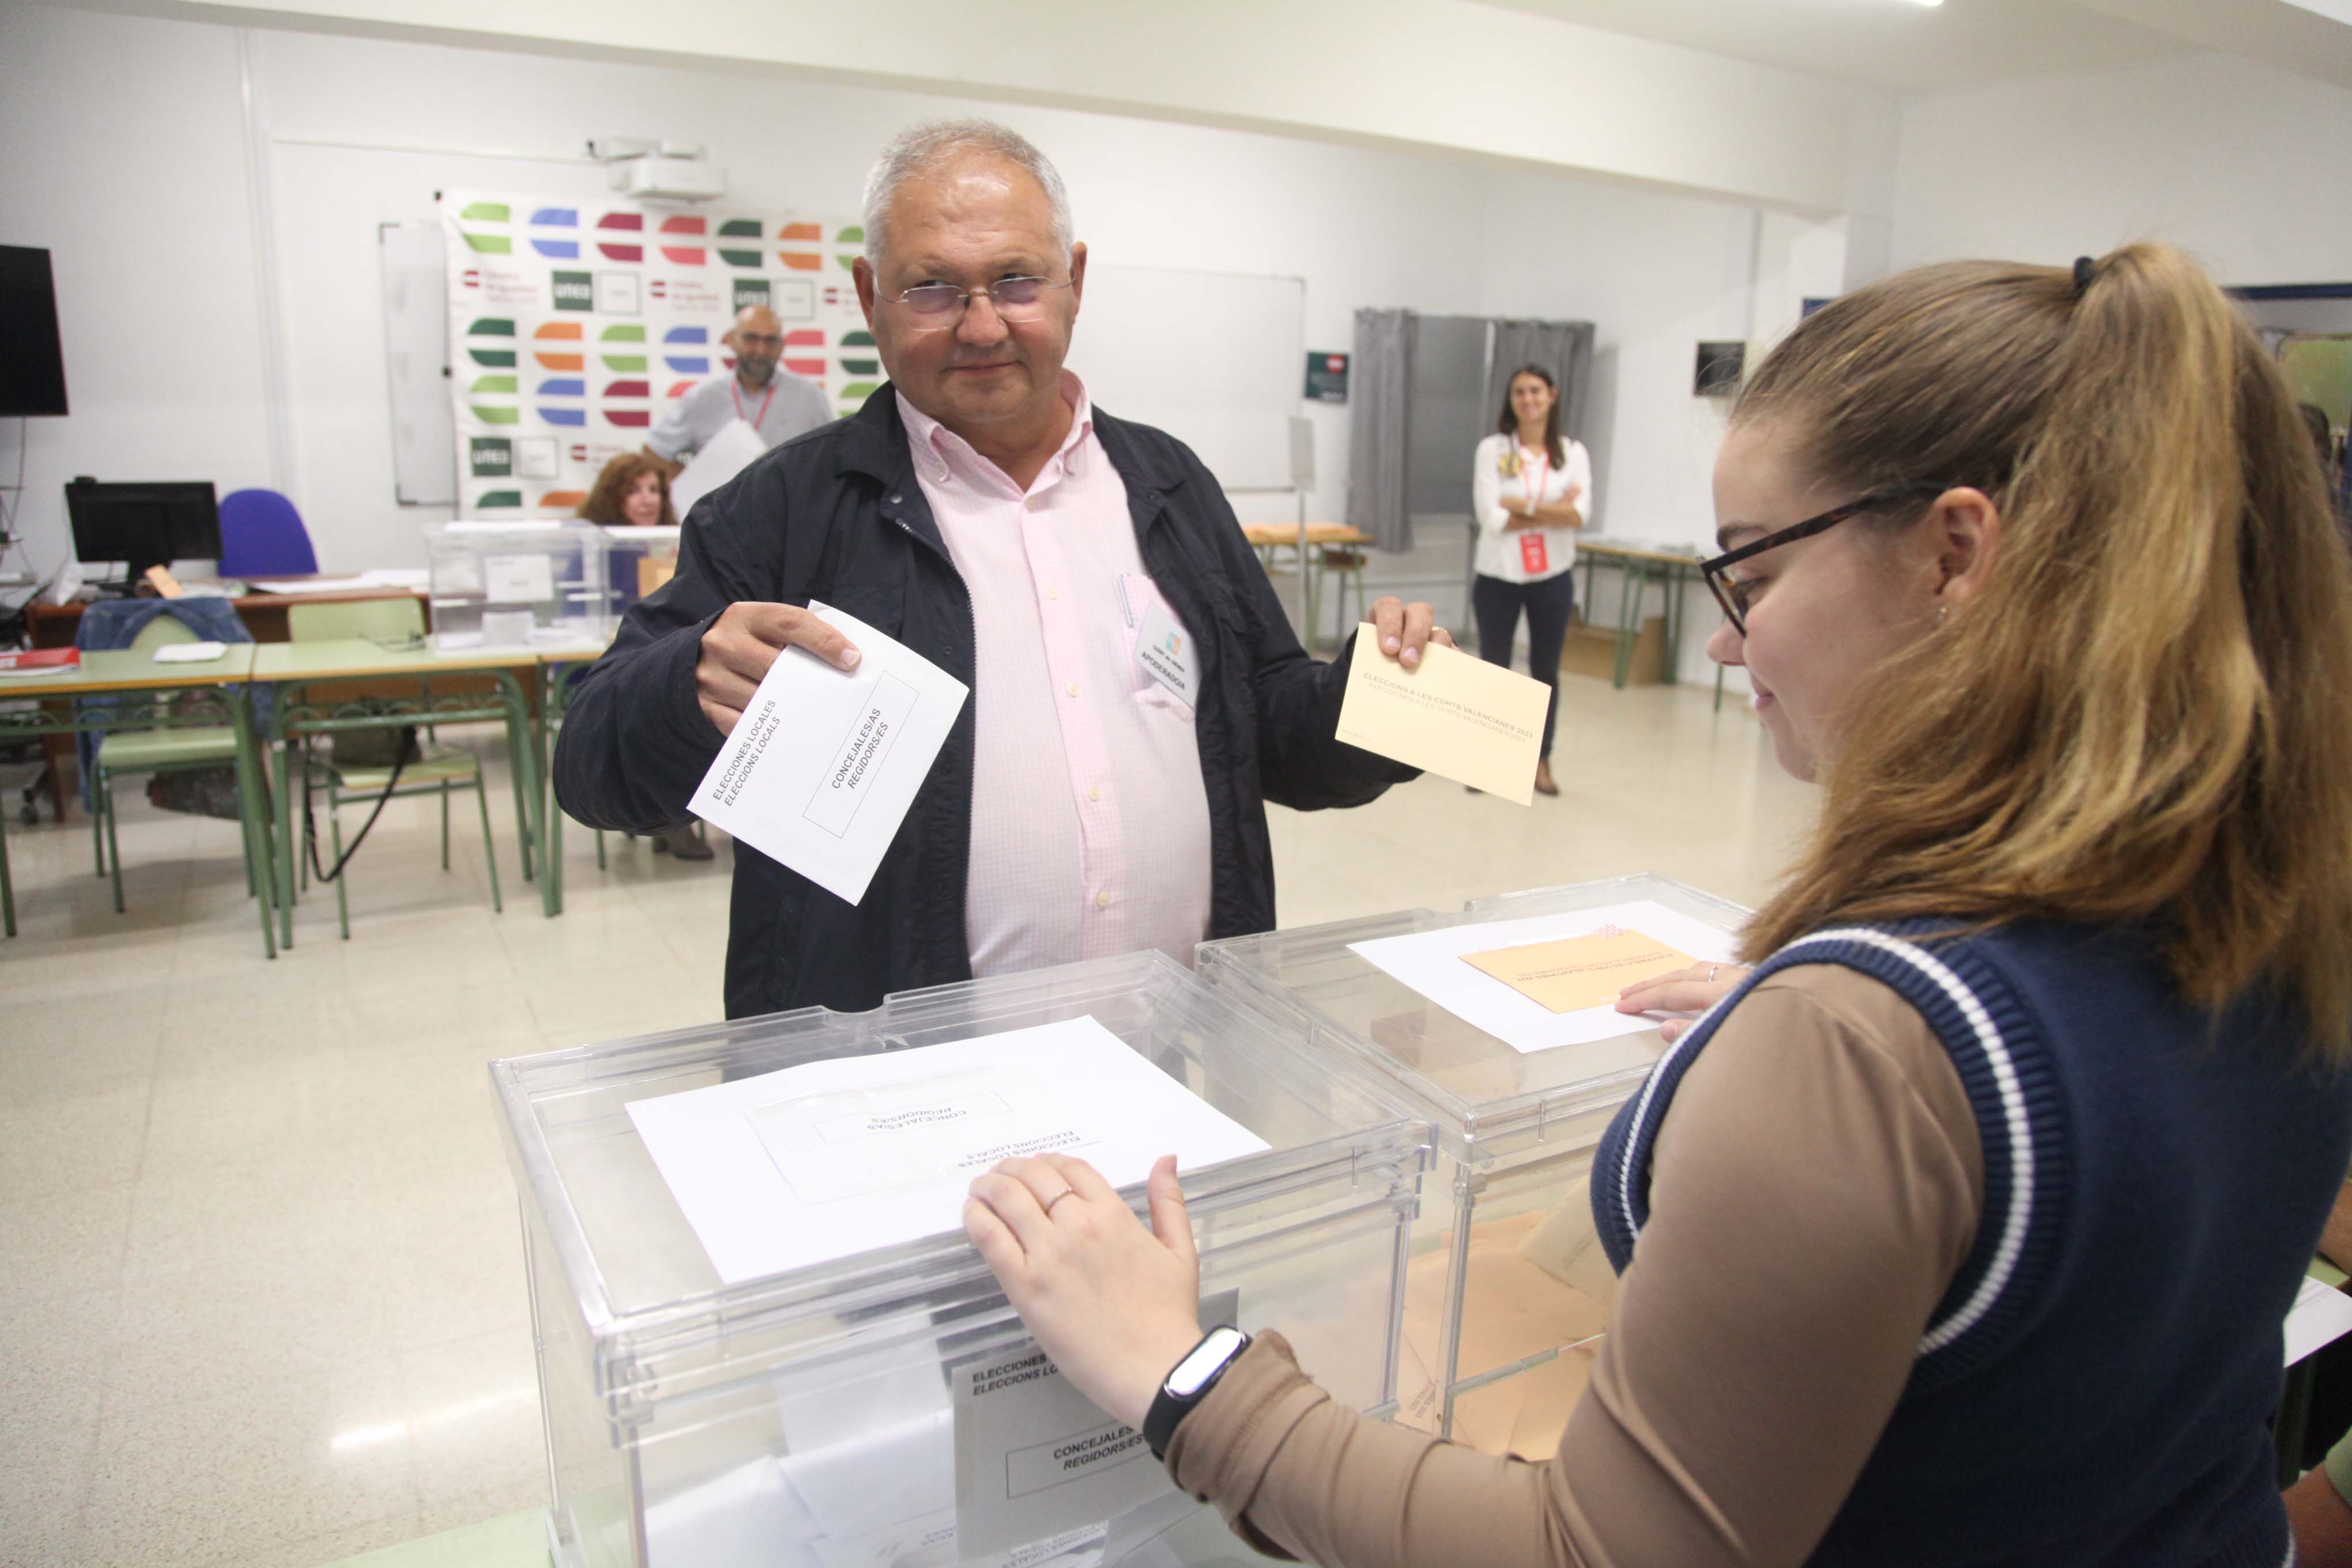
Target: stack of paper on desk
column 833, row 1158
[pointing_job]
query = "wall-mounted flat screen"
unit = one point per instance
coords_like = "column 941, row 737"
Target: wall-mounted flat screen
column 32, row 365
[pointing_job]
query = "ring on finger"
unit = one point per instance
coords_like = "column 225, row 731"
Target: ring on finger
column 1057, row 1197
column 1711, row 969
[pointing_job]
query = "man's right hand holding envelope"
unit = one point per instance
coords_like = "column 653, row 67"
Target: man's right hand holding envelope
column 744, row 641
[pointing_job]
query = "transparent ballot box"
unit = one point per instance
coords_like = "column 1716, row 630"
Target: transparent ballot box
column 522, row 583
column 1507, row 1291
column 638, row 561
column 887, row 1407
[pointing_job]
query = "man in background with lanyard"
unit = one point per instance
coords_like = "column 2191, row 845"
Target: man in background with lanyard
column 776, row 404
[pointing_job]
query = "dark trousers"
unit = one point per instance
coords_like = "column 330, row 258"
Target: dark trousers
column 1549, row 605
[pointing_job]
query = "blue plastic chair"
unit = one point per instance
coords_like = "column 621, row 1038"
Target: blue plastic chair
column 262, row 536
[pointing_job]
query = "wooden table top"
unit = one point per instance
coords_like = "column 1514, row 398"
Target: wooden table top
column 128, row 669
column 1624, row 552
column 1262, row 533
column 339, row 658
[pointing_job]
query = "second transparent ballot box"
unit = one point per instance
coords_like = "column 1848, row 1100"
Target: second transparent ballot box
column 884, row 1406
column 1507, row 1293
column 518, row 584
column 638, row 561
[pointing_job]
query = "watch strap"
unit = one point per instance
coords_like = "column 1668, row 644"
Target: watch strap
column 1169, row 1409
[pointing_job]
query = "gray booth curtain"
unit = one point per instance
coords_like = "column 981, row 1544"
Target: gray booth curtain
column 1380, row 427
column 1563, row 348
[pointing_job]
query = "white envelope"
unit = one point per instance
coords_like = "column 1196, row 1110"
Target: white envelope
column 720, row 460
column 822, row 767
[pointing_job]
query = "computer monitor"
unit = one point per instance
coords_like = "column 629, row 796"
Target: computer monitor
column 143, row 525
column 32, row 365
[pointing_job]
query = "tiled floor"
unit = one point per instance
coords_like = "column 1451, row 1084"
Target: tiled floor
column 259, row 1275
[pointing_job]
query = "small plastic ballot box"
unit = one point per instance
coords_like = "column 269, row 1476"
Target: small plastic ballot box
column 832, row 1417
column 1507, row 1291
column 518, row 584
column 638, row 561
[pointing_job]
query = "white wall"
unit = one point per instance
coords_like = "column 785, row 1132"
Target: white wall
column 2232, row 160
column 1457, row 76
column 146, row 116
column 128, row 163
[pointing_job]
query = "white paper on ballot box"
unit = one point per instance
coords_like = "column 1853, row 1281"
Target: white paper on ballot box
column 833, row 1158
column 820, row 770
column 1431, row 961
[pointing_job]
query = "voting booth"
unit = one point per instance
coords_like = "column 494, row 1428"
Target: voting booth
column 1495, row 1023
column 518, row 584
column 875, row 1401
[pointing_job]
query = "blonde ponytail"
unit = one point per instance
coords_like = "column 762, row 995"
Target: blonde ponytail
column 2147, row 715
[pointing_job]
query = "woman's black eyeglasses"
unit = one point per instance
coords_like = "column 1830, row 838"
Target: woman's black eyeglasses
column 1733, row 594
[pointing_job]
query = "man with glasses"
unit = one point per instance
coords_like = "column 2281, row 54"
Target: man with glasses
column 776, row 404
column 1138, row 694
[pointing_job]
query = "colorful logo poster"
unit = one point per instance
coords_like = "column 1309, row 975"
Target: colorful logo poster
column 574, row 324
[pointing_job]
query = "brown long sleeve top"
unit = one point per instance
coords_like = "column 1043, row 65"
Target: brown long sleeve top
column 1816, row 1185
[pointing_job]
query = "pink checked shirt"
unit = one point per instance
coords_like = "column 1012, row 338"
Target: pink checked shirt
column 1090, row 825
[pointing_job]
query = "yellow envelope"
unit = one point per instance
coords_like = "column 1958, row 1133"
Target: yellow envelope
column 1455, row 715
column 1580, row 972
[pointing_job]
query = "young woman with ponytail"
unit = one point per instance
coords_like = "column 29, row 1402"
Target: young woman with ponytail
column 1960, row 1229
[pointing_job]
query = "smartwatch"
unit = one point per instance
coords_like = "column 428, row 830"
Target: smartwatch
column 1189, row 1383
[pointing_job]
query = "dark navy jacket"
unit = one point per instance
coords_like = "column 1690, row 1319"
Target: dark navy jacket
column 2094, row 1387
column 837, row 515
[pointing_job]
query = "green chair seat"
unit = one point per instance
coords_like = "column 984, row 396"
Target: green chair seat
column 141, row 749
column 440, row 764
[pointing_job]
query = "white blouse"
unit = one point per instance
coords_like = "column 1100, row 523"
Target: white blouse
column 1504, row 470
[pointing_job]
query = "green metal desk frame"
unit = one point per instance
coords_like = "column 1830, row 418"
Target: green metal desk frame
column 298, row 716
column 1637, row 570
column 172, row 702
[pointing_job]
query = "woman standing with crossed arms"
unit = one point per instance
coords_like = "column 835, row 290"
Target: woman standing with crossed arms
column 1960, row 1230
column 1529, row 486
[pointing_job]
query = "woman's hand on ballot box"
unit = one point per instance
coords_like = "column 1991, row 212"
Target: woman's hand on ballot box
column 1116, row 1306
column 744, row 641
column 1692, row 990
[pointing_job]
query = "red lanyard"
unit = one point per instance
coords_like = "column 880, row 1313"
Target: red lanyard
column 734, row 390
column 1543, row 473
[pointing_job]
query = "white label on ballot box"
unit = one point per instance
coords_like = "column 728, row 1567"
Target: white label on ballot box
column 1035, row 1456
column 518, row 579
column 855, row 1143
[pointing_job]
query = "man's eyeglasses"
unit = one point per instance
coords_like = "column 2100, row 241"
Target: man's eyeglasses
column 937, row 305
column 1736, row 595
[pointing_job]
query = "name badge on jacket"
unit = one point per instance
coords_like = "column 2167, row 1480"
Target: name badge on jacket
column 1533, row 556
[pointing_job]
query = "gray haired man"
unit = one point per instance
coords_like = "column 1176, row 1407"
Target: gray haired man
column 981, row 510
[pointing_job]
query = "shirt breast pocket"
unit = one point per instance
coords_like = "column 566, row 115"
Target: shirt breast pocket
column 1163, row 660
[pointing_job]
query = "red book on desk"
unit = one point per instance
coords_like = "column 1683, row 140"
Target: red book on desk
column 26, row 661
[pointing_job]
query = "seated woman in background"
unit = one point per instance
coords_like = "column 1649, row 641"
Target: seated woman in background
column 1960, row 1229
column 633, row 491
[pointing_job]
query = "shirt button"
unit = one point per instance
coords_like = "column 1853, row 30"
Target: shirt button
column 1073, row 689
column 1094, row 792
column 1052, row 593
column 1102, row 899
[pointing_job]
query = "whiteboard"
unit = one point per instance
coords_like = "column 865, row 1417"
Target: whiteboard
column 416, row 354
column 1216, row 359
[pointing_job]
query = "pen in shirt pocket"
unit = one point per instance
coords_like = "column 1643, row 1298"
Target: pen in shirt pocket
column 1126, row 604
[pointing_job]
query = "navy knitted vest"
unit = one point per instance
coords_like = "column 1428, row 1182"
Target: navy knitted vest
column 2093, row 1386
